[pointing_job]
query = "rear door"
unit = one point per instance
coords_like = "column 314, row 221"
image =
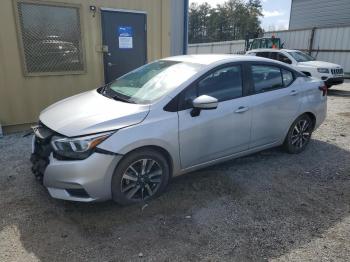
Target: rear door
column 220, row 132
column 275, row 102
column 124, row 40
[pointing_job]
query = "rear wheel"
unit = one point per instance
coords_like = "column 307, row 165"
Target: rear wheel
column 299, row 135
column 140, row 176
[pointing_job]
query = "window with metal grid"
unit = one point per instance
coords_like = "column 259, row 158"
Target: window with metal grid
column 51, row 38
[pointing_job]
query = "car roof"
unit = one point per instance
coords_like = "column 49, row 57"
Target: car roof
column 271, row 50
column 207, row 59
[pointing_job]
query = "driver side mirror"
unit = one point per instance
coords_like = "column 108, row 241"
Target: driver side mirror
column 203, row 102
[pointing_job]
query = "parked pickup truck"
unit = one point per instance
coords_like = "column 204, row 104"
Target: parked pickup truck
column 331, row 74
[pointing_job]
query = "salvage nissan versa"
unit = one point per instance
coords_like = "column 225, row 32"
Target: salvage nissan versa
column 125, row 140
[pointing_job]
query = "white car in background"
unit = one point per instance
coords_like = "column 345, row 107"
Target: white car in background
column 331, row 74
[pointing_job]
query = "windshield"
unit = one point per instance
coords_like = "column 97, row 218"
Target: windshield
column 152, row 81
column 301, row 57
column 265, row 43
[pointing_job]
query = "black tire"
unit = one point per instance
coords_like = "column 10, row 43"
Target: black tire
column 297, row 141
column 132, row 175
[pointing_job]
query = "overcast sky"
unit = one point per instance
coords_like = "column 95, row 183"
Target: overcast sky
column 276, row 13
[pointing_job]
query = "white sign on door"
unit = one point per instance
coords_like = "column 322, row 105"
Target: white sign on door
column 125, row 35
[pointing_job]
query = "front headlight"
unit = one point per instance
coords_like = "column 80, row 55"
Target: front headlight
column 323, row 70
column 78, row 148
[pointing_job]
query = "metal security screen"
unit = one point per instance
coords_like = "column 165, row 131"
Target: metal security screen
column 51, row 38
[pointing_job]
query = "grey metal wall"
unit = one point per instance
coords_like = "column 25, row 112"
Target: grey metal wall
column 333, row 44
column 177, row 9
column 298, row 39
column 319, row 13
column 227, row 47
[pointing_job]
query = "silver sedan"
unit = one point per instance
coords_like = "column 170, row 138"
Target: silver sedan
column 125, row 140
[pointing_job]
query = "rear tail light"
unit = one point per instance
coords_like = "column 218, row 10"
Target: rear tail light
column 324, row 90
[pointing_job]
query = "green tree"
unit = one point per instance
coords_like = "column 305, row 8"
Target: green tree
column 198, row 22
column 231, row 20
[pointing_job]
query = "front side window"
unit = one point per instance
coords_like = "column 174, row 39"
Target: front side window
column 255, row 44
column 50, row 36
column 300, row 56
column 266, row 78
column 223, row 84
column 284, row 59
column 152, row 81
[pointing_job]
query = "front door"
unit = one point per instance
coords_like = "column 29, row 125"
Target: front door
column 124, row 39
column 220, row 132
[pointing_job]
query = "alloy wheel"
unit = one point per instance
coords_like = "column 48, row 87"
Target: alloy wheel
column 301, row 133
column 142, row 179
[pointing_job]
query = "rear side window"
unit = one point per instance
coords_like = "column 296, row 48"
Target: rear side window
column 223, row 84
column 266, row 78
column 273, row 55
column 263, row 54
column 287, row 77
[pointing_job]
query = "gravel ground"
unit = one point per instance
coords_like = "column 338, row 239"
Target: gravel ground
column 269, row 206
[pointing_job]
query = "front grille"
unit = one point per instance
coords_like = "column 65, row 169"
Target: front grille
column 337, row 71
column 42, row 150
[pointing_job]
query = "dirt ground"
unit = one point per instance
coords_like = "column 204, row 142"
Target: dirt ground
column 269, row 206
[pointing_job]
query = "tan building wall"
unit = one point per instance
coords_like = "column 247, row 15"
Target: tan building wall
column 23, row 97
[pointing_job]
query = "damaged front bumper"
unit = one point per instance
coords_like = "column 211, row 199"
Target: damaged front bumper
column 74, row 180
column 41, row 150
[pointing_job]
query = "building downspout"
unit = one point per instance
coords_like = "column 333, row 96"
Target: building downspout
column 185, row 41
column 311, row 44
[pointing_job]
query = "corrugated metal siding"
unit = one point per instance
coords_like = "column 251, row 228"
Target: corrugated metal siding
column 22, row 98
column 293, row 39
column 342, row 59
column 319, row 13
column 227, row 47
column 333, row 39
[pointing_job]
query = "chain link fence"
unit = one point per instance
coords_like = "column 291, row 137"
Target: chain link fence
column 51, row 38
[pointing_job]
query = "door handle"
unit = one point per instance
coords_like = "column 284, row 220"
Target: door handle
column 293, row 92
column 110, row 64
column 242, row 109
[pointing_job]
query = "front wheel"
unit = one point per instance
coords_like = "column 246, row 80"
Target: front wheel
column 299, row 135
column 140, row 176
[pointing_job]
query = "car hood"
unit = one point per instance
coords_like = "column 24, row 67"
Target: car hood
column 319, row 64
column 91, row 112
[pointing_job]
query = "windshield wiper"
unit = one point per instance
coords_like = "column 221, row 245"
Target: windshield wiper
column 119, row 98
column 103, row 89
column 106, row 91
